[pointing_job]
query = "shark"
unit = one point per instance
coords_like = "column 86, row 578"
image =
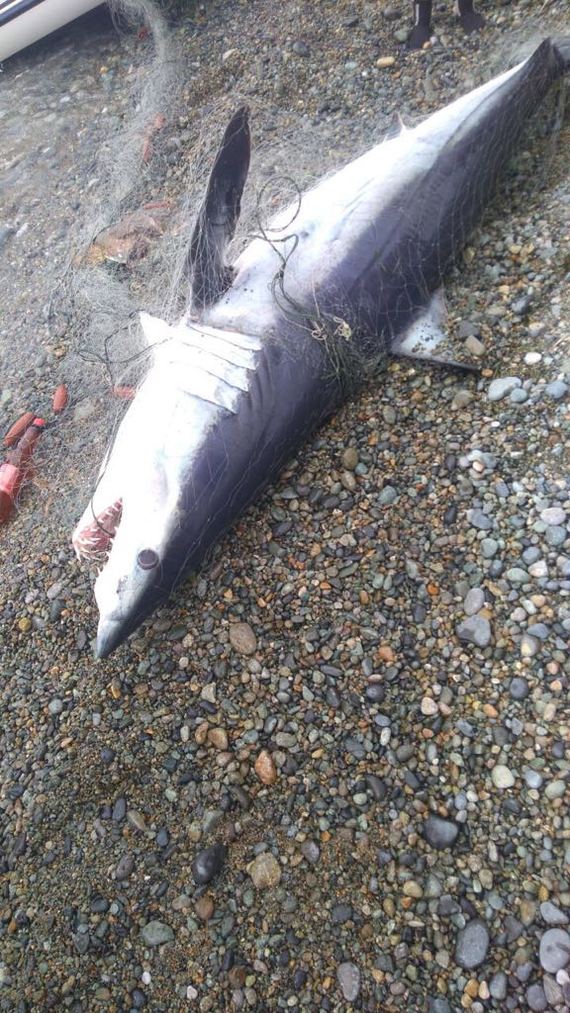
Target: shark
column 270, row 346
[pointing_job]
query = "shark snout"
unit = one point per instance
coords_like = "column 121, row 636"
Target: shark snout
column 110, row 633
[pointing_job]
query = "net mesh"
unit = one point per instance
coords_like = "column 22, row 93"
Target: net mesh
column 130, row 252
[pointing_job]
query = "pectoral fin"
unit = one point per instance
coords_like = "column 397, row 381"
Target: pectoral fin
column 218, row 216
column 425, row 334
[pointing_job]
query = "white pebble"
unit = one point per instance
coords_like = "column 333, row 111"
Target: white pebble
column 502, row 777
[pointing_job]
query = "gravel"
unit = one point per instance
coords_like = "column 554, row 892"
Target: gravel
column 334, row 770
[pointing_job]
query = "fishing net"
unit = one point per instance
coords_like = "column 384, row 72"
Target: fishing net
column 129, row 246
column 129, row 249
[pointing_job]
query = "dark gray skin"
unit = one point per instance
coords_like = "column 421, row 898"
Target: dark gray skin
column 385, row 277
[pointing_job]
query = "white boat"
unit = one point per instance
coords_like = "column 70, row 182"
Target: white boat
column 25, row 21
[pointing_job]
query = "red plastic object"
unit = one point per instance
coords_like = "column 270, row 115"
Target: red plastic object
column 15, row 468
column 18, row 429
column 60, row 399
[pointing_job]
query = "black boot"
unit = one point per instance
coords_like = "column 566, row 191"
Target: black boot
column 470, row 20
column 421, row 32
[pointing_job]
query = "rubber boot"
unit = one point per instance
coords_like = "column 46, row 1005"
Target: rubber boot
column 470, row 20
column 421, row 32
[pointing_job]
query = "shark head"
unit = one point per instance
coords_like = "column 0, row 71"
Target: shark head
column 147, row 517
column 134, row 578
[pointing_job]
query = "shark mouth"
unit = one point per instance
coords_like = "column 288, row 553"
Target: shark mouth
column 93, row 541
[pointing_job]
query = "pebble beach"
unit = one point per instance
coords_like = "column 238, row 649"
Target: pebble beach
column 333, row 773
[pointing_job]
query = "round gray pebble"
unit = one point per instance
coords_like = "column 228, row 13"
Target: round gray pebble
column 208, row 863
column 156, row 933
column 554, row 950
column 440, row 833
column 519, row 688
column 472, row 944
column 536, row 998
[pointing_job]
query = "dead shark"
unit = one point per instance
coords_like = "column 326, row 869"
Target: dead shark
column 272, row 345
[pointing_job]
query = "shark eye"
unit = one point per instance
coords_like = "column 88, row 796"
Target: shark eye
column 147, row 559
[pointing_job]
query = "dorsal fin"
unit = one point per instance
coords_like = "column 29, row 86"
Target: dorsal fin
column 219, row 213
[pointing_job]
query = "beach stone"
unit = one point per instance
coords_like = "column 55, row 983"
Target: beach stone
column 556, row 535
column 502, row 777
column 499, row 388
column 311, row 851
column 242, row 638
column 208, row 863
column 553, row 990
column 474, row 601
column 438, row 1005
column 498, row 985
column 519, row 688
column 440, row 833
column 387, row 495
column 518, row 396
column 480, row 520
column 156, row 933
column 474, row 346
column 554, row 950
column 125, row 866
column 463, row 397
column 475, row 630
column 536, row 998
column 350, row 458
column 529, row 646
column 265, row 871
column 556, row 390
column 516, row 575
column 489, row 547
column 472, row 944
column 301, row 48
column 533, row 779
column 555, row 789
column 552, row 915
column 553, row 515
column 429, row 707
column 348, row 977
column 341, row 913
column 265, row 767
